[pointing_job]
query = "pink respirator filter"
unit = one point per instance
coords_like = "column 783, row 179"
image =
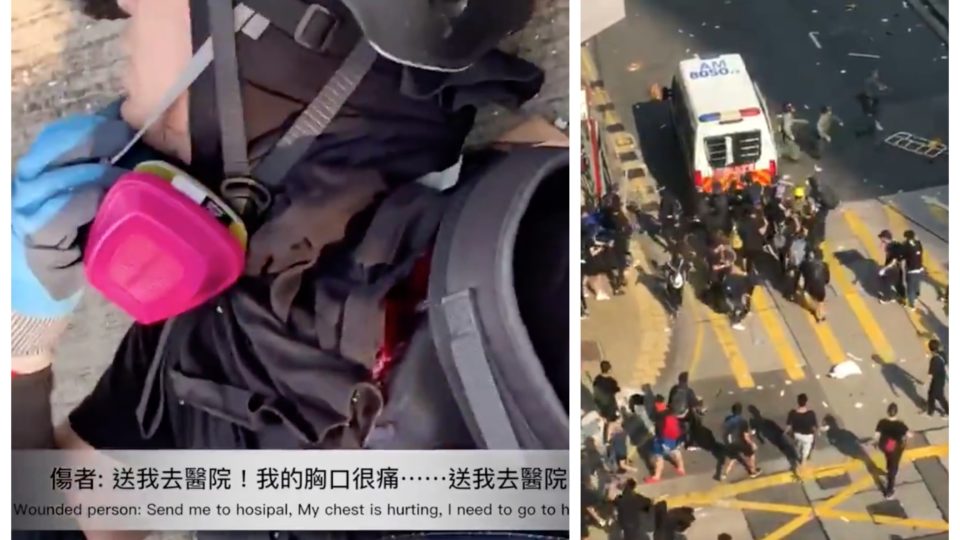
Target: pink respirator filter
column 157, row 250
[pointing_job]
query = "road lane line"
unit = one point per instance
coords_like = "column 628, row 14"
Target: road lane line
column 698, row 340
column 899, row 224
column 935, row 525
column 868, row 323
column 791, row 526
column 871, row 244
column 728, row 343
column 813, row 38
column 765, row 310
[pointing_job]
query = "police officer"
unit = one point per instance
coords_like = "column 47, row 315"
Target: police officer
column 788, row 121
column 824, row 124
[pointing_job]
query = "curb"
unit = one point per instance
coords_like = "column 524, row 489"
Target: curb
column 626, row 164
column 620, row 148
column 930, row 18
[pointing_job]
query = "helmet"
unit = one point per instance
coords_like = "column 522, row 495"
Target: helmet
column 799, row 192
column 441, row 35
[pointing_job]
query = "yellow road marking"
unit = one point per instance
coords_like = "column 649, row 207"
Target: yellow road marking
column 869, row 324
column 738, row 365
column 849, row 465
column 698, row 340
column 767, row 313
column 936, row 525
column 831, row 346
column 899, row 224
column 830, row 513
column 860, row 230
column 790, row 526
column 586, row 63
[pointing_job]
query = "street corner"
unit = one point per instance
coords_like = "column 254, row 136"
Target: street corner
column 927, row 209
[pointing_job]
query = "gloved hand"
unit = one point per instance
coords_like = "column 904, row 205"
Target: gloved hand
column 57, row 186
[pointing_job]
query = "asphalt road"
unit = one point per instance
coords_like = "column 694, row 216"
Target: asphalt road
column 782, row 352
column 774, row 38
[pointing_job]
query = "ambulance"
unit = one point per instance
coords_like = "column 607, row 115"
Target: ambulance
column 723, row 124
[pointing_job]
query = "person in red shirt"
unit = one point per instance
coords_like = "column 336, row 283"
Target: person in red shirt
column 666, row 442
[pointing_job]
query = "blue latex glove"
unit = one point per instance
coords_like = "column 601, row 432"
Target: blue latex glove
column 57, row 187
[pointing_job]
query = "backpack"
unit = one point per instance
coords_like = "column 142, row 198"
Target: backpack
column 671, row 427
column 680, row 402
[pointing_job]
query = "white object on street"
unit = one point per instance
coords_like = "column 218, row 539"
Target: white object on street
column 817, row 168
column 716, row 27
column 864, row 55
column 843, row 71
column 782, row 392
column 759, row 387
column 854, row 357
column 818, row 377
column 884, row 20
column 858, row 405
column 844, row 369
column 825, row 406
column 816, row 42
column 788, row 383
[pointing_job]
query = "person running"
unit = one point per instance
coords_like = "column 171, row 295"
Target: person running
column 802, row 425
column 788, row 121
column 870, row 102
column 913, row 267
column 825, row 123
column 816, row 277
column 938, row 378
column 740, row 445
column 605, row 390
column 890, row 274
column 685, row 405
column 891, row 438
column 666, row 443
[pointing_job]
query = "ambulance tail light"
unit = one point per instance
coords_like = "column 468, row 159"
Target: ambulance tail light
column 697, row 179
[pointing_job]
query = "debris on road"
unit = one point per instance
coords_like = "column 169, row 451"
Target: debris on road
column 844, row 369
column 864, row 55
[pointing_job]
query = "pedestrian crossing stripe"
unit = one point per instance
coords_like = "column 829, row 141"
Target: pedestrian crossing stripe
column 772, row 323
column 865, row 318
column 728, row 343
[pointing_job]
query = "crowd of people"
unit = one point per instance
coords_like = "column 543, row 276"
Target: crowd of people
column 605, row 233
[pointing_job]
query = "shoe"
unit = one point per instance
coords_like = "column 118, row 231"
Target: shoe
column 681, row 472
column 756, row 473
column 651, row 480
column 722, row 478
column 885, row 301
column 603, row 296
column 890, row 495
column 739, row 326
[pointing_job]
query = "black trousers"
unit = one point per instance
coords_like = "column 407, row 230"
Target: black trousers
column 892, row 282
column 936, row 395
column 893, row 467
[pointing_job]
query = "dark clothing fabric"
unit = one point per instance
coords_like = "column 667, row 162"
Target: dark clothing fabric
column 938, row 369
column 893, row 467
column 913, row 280
column 892, row 284
column 912, row 255
column 816, row 276
column 735, row 429
column 892, row 430
column 937, row 396
column 894, row 252
column 631, row 507
column 32, row 425
column 681, row 399
column 804, row 423
column 605, row 389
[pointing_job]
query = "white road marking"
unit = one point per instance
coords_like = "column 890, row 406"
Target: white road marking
column 932, row 201
column 813, row 38
column 863, row 55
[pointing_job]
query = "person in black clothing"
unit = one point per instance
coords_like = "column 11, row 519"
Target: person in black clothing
column 630, row 507
column 816, row 277
column 669, row 215
column 739, row 443
column 938, row 378
column 890, row 274
column 753, row 232
column 891, row 437
column 590, row 501
column 685, row 405
column 615, row 220
column 913, row 267
column 802, row 424
column 605, row 389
